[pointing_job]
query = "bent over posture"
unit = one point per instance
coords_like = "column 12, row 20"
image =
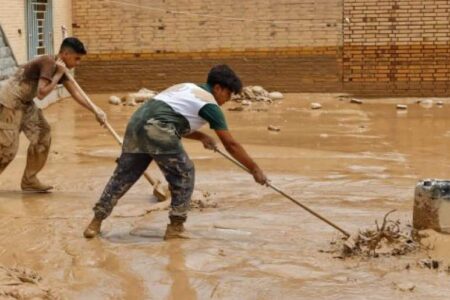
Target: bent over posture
column 19, row 113
column 154, row 133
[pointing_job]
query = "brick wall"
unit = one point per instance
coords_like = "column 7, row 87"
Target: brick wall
column 109, row 26
column 309, row 70
column 371, row 47
column 286, row 44
column 396, row 47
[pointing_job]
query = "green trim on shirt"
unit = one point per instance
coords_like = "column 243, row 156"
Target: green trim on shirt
column 206, row 87
column 214, row 116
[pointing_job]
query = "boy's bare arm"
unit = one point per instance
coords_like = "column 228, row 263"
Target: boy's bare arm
column 234, row 148
column 208, row 142
column 239, row 153
column 45, row 86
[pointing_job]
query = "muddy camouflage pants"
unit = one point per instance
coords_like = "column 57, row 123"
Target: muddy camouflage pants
column 178, row 170
column 32, row 123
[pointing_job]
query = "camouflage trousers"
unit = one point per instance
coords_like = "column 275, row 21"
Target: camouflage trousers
column 178, row 170
column 32, row 123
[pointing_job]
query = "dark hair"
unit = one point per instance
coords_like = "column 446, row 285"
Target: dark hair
column 74, row 44
column 224, row 76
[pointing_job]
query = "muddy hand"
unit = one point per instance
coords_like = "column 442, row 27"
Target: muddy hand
column 60, row 66
column 209, row 143
column 101, row 116
column 259, row 176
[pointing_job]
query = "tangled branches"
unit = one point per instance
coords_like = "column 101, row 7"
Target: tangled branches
column 388, row 239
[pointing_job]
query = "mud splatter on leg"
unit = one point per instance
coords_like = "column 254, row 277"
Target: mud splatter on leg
column 37, row 130
column 179, row 172
column 130, row 167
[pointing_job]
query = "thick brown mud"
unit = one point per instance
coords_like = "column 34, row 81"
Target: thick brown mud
column 352, row 163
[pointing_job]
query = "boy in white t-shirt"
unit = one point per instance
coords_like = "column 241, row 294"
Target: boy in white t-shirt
column 154, row 132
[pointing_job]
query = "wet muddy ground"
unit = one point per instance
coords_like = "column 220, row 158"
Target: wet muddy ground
column 351, row 163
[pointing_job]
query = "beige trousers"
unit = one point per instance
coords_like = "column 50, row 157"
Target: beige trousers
column 32, row 123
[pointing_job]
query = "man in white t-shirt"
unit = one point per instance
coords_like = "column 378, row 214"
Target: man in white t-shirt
column 154, row 132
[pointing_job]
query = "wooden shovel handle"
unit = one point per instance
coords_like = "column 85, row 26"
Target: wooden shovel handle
column 119, row 140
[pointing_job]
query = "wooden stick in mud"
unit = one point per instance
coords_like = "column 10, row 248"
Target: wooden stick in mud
column 285, row 195
column 158, row 190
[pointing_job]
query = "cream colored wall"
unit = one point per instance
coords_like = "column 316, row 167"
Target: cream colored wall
column 62, row 15
column 167, row 26
column 12, row 19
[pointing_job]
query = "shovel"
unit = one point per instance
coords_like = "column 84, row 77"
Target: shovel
column 158, row 191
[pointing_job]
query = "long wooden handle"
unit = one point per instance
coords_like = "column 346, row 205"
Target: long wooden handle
column 93, row 106
column 285, row 195
column 107, row 125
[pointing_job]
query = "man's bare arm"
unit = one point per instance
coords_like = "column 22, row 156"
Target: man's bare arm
column 45, row 86
column 208, row 142
column 239, row 153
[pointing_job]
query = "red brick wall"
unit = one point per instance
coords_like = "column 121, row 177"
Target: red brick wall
column 396, row 47
column 308, row 70
column 289, row 45
column 370, row 47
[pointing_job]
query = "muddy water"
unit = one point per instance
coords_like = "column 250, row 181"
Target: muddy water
column 350, row 162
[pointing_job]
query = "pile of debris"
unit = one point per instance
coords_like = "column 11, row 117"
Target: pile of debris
column 201, row 200
column 256, row 93
column 389, row 239
column 23, row 283
column 248, row 95
column 133, row 99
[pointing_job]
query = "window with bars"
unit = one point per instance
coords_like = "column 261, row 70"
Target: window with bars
column 40, row 29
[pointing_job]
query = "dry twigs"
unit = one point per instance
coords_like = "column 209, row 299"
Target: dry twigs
column 389, row 239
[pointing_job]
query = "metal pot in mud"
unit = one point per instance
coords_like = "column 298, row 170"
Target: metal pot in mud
column 432, row 205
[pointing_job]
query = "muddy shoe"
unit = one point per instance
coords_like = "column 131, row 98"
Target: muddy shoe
column 176, row 231
column 93, row 228
column 35, row 186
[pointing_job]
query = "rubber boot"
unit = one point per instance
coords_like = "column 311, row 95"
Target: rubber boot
column 93, row 228
column 36, row 158
column 175, row 230
column 35, row 186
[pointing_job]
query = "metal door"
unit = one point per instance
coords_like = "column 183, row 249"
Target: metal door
column 40, row 27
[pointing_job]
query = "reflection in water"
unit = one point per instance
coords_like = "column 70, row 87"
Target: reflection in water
column 180, row 288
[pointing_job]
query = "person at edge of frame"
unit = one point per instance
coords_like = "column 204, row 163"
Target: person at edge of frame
column 19, row 113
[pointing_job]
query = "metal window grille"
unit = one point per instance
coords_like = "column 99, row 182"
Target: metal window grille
column 40, row 29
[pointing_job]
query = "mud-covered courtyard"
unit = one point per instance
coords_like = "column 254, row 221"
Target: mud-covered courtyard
column 350, row 162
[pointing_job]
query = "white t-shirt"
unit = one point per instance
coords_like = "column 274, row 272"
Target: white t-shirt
column 187, row 99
